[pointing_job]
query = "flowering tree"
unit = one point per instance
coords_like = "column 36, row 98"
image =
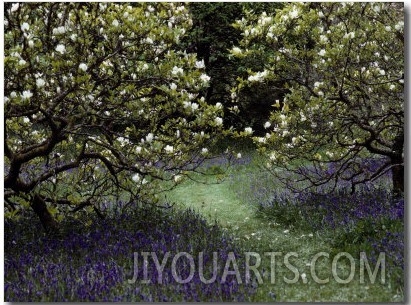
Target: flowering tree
column 98, row 107
column 343, row 64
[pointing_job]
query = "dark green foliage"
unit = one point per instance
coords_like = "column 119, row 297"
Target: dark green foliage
column 211, row 37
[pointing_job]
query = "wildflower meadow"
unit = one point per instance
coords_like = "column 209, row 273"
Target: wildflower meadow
column 204, row 152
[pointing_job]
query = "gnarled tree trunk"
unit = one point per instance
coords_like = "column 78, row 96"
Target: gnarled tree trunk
column 39, row 206
column 398, row 179
column 398, row 165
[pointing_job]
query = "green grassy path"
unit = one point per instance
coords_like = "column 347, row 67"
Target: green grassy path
column 219, row 202
column 215, row 201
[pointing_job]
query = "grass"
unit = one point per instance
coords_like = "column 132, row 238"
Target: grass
column 232, row 204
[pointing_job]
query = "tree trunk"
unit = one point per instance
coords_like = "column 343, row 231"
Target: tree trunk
column 398, row 180
column 40, row 208
column 398, row 165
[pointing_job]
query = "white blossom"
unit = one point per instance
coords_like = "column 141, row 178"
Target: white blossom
column 25, row 26
column 26, row 95
column 194, row 106
column 267, row 125
column 399, row 26
column 219, row 105
column 204, row 78
column 169, row 149
column 40, row 82
column 176, row 70
column 83, row 67
column 14, row 7
column 22, row 62
column 186, row 104
column 248, row 130
column 236, row 51
column 322, row 52
column 123, row 141
column 115, row 23
column 149, row 40
column 204, row 151
column 31, row 43
column 239, row 156
column 294, row 13
column 218, row 121
column 258, row 77
column 376, row 8
column 149, row 137
column 136, row 178
column 138, row 149
column 61, row 48
column 173, row 86
column 265, row 19
column 59, row 30
column 200, row 64
column 350, row 35
column 323, row 39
